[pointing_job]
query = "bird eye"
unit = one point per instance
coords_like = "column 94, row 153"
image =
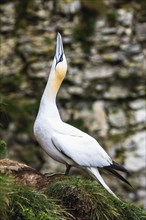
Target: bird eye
column 60, row 59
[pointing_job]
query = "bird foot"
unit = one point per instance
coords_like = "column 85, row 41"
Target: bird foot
column 53, row 174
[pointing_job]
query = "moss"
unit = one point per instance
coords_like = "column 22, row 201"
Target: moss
column 88, row 200
column 3, row 149
column 112, row 16
column 20, row 202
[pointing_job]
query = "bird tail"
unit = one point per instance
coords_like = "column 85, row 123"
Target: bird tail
column 119, row 167
column 115, row 166
column 95, row 173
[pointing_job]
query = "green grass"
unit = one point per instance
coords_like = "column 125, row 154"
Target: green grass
column 87, row 198
column 3, row 150
column 66, row 198
column 19, row 202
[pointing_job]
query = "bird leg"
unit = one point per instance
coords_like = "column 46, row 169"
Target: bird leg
column 68, row 167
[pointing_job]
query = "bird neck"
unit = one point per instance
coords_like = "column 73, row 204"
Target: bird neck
column 52, row 88
column 48, row 101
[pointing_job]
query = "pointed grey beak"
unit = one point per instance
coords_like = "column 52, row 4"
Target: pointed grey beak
column 59, row 49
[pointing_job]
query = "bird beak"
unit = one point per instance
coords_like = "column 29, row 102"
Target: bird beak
column 59, row 49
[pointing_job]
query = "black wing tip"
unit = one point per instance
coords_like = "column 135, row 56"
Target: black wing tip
column 116, row 166
column 115, row 173
column 119, row 167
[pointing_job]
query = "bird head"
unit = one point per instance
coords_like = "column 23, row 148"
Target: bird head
column 58, row 70
column 60, row 60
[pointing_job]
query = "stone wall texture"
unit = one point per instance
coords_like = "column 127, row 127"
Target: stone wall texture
column 103, row 92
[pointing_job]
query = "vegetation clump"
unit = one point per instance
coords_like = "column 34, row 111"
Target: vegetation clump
column 88, row 200
column 28, row 195
column 3, row 149
column 20, row 202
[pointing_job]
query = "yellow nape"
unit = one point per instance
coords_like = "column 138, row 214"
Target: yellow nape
column 59, row 75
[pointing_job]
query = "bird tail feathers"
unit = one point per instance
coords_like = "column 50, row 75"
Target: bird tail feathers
column 115, row 173
column 115, row 166
column 95, row 173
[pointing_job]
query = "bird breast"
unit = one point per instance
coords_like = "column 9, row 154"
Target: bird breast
column 43, row 133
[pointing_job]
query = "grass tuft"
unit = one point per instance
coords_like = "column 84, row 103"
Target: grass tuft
column 65, row 198
column 20, row 202
column 86, row 199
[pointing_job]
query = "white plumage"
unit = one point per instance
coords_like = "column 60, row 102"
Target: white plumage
column 63, row 142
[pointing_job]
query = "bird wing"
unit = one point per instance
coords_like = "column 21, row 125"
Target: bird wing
column 80, row 147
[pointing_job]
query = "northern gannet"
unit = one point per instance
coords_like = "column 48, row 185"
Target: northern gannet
column 63, row 142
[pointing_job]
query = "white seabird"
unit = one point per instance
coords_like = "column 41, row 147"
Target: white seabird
column 63, row 142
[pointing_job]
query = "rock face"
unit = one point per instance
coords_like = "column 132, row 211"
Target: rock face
column 104, row 90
